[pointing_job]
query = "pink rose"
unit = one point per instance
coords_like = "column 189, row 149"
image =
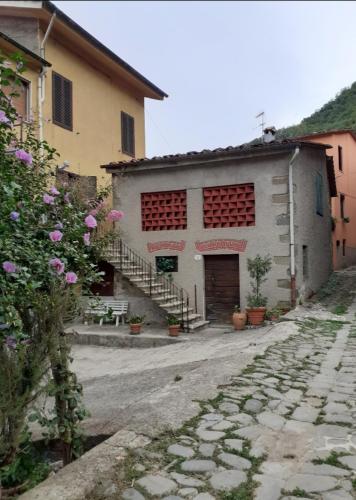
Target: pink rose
column 71, row 277
column 9, row 267
column 86, row 238
column 57, row 264
column 55, row 235
column 115, row 215
column 3, row 117
column 49, row 200
column 54, row 191
column 22, row 155
column 90, row 221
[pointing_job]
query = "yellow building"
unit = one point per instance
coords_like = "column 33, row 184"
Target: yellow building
column 88, row 103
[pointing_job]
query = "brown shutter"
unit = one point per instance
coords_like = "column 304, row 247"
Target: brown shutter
column 62, row 101
column 127, row 134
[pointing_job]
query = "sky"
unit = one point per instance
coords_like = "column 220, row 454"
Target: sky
column 222, row 63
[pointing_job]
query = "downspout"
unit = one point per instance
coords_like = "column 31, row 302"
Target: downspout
column 41, row 86
column 291, row 228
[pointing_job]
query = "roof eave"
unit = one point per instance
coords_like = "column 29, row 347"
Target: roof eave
column 195, row 159
column 25, row 50
column 154, row 91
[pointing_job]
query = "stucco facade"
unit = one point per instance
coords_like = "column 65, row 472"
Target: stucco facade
column 267, row 169
column 343, row 151
column 103, row 86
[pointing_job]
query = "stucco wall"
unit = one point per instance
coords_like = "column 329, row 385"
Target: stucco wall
column 97, row 106
column 345, row 182
column 312, row 229
column 268, row 236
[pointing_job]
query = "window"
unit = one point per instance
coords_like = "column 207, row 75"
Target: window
column 20, row 102
column 229, row 206
column 343, row 248
column 339, row 150
column 342, row 206
column 127, row 134
column 319, row 194
column 62, row 101
column 166, row 210
column 167, row 264
column 337, row 243
column 305, row 262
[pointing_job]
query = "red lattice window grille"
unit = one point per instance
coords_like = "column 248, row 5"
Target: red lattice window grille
column 164, row 211
column 229, row 206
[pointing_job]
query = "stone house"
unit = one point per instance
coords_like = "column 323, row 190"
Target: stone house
column 206, row 213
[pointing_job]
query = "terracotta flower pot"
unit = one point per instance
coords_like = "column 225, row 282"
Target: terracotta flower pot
column 173, row 330
column 135, row 328
column 256, row 315
column 239, row 320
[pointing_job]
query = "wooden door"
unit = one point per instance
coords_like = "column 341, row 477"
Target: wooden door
column 222, row 286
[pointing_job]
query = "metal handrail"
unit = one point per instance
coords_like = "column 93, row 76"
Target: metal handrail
column 171, row 292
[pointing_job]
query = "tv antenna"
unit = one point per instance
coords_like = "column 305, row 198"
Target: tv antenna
column 262, row 124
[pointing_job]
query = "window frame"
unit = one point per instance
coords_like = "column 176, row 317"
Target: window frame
column 27, row 85
column 319, row 192
column 125, row 116
column 342, row 206
column 56, row 122
column 340, row 159
column 305, row 257
column 175, row 264
column 344, row 247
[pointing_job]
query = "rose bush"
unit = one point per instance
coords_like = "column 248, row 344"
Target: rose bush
column 49, row 247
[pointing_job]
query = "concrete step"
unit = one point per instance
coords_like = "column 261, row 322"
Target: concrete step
column 173, row 304
column 197, row 325
column 192, row 317
column 163, row 298
column 179, row 311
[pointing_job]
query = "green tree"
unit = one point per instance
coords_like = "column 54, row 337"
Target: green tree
column 49, row 247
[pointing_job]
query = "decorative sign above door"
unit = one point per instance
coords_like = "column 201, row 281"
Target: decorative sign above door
column 178, row 246
column 210, row 245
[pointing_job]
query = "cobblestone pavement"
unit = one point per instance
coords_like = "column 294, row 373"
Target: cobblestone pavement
column 283, row 429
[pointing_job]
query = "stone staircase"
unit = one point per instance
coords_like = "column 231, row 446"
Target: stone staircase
column 168, row 296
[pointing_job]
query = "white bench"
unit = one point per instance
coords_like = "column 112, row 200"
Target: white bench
column 119, row 309
column 101, row 309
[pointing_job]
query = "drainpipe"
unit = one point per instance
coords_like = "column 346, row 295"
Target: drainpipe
column 291, row 229
column 41, row 82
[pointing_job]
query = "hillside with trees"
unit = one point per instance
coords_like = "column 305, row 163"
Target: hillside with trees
column 338, row 113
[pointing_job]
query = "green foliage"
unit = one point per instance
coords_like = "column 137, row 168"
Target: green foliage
column 136, row 320
column 38, row 296
column 337, row 114
column 340, row 309
column 172, row 320
column 26, row 469
column 258, row 269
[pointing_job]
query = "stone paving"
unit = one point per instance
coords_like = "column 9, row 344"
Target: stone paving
column 284, row 429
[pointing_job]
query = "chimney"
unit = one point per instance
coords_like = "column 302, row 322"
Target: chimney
column 269, row 134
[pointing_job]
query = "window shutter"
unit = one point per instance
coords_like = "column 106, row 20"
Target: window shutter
column 62, row 101
column 127, row 134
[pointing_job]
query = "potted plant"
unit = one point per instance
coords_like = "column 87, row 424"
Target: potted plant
column 257, row 268
column 273, row 314
column 135, row 323
column 173, row 325
column 239, row 318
